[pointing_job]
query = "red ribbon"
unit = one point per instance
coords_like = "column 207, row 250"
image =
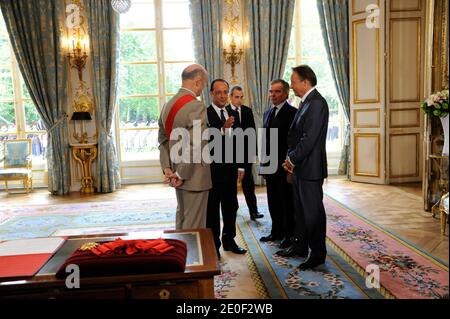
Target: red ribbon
column 131, row 247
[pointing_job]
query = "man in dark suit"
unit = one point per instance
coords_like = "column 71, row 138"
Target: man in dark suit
column 245, row 120
column 307, row 165
column 279, row 191
column 223, row 194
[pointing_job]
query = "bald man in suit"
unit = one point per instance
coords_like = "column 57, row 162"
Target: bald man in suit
column 192, row 180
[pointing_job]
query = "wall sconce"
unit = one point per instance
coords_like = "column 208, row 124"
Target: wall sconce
column 232, row 57
column 78, row 56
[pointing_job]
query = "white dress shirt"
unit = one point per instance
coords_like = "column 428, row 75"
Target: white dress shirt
column 225, row 113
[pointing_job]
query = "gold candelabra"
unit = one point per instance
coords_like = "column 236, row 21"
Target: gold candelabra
column 78, row 57
column 233, row 57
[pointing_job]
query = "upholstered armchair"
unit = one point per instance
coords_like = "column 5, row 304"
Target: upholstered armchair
column 17, row 163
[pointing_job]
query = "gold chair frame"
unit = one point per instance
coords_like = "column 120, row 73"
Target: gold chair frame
column 27, row 179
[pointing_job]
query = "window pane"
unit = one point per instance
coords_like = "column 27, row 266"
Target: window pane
column 140, row 15
column 291, row 53
column 7, row 117
column 5, row 52
column 32, row 118
column 173, row 76
column 137, row 46
column 6, row 84
column 138, row 79
column 25, row 93
column 139, row 144
column 178, row 45
column 176, row 14
column 38, row 147
column 288, row 71
column 139, row 112
column 310, row 14
column 312, row 43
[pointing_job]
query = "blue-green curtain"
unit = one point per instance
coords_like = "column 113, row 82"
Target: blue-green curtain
column 206, row 18
column 334, row 22
column 269, row 24
column 104, row 46
column 36, row 29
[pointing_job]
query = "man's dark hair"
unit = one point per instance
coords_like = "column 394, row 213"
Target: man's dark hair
column 218, row 80
column 286, row 86
column 306, row 73
column 236, row 88
column 192, row 74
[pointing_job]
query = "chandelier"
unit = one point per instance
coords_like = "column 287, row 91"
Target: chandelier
column 121, row 6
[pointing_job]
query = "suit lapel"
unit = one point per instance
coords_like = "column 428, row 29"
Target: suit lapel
column 305, row 107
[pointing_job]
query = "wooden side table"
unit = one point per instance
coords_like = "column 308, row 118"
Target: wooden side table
column 85, row 154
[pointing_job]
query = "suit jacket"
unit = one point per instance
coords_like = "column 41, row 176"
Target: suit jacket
column 221, row 172
column 282, row 121
column 307, row 138
column 247, row 120
column 196, row 176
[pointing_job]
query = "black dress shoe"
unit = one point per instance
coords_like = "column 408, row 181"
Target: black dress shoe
column 285, row 243
column 233, row 247
column 311, row 263
column 269, row 238
column 292, row 252
column 256, row 215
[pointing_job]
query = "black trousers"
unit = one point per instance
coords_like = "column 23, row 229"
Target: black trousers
column 279, row 198
column 223, row 196
column 311, row 220
column 248, row 187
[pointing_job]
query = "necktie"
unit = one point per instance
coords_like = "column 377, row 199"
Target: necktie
column 222, row 116
column 272, row 116
column 238, row 117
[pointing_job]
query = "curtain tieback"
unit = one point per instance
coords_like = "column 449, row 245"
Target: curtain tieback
column 58, row 123
column 108, row 133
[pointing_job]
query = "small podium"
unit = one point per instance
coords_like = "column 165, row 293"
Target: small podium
column 85, row 154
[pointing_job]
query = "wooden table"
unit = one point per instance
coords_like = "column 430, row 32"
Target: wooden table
column 196, row 282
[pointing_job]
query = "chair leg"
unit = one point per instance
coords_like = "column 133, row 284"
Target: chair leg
column 444, row 218
column 6, row 185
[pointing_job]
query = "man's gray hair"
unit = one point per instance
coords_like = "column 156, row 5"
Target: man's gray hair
column 236, row 88
column 286, row 86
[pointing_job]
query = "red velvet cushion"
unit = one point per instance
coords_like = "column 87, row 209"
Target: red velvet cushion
column 92, row 265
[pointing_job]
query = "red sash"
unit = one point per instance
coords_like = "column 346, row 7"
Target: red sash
column 182, row 101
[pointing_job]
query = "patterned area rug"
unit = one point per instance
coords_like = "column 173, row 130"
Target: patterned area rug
column 238, row 280
column 353, row 243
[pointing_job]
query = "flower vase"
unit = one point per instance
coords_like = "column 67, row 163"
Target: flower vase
column 444, row 121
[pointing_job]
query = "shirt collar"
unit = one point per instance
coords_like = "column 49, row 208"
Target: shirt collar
column 234, row 108
column 279, row 106
column 307, row 93
column 183, row 88
column 218, row 109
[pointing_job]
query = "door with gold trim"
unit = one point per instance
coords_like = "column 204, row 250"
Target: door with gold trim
column 367, row 90
column 405, row 89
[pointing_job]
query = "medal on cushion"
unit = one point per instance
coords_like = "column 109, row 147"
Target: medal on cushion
column 88, row 246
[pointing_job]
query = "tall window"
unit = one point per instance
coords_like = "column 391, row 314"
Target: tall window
column 18, row 115
column 155, row 46
column 307, row 47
